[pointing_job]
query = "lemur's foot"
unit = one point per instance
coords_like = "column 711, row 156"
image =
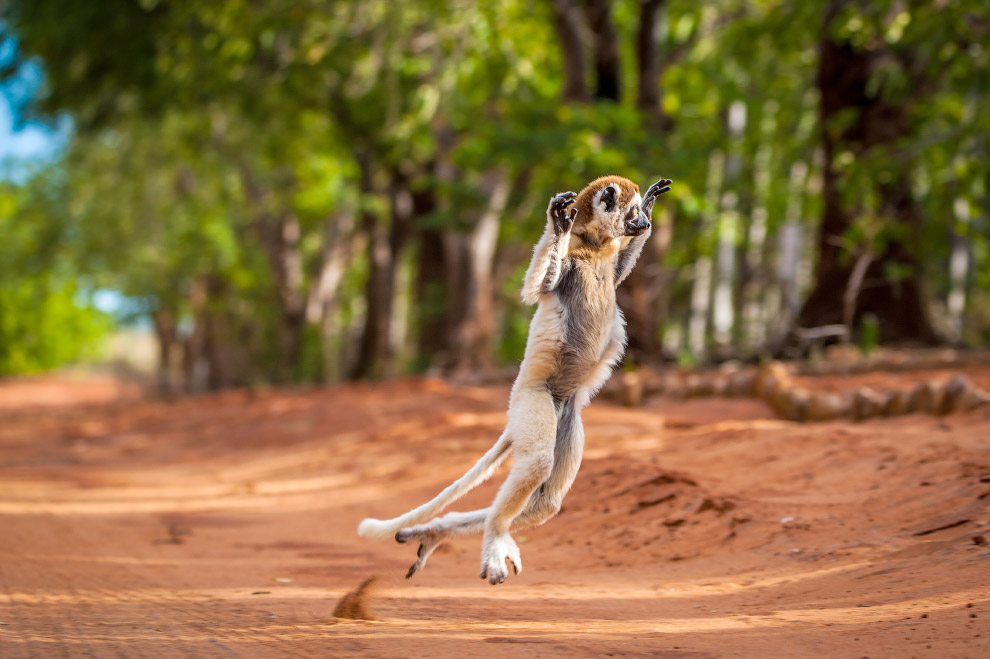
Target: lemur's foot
column 493, row 556
column 429, row 540
column 562, row 220
column 654, row 192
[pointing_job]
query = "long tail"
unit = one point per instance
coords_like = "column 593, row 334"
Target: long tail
column 476, row 475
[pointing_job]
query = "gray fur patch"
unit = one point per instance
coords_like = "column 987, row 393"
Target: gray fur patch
column 587, row 312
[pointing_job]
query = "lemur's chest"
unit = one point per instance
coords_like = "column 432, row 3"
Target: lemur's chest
column 586, row 294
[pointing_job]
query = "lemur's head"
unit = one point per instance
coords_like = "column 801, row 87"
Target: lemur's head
column 609, row 207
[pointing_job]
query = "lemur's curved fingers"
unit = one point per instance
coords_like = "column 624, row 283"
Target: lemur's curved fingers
column 654, row 191
column 557, row 210
column 658, row 188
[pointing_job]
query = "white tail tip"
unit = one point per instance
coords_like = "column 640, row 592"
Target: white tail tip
column 375, row 528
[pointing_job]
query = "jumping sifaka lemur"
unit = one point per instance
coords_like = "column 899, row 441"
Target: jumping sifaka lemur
column 591, row 242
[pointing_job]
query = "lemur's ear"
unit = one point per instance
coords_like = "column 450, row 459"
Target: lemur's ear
column 607, row 198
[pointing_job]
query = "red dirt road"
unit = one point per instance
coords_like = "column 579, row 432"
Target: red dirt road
column 224, row 526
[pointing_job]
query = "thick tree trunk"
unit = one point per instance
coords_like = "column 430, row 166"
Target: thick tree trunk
column 280, row 235
column 284, row 252
column 647, row 63
column 608, row 83
column 567, row 19
column 166, row 332
column 431, row 297
column 340, row 243
column 373, row 349
column 375, row 354
column 431, row 291
column 648, row 66
column 195, row 367
column 471, row 352
column 844, row 73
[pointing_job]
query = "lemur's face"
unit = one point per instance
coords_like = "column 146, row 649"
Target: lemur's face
column 609, row 208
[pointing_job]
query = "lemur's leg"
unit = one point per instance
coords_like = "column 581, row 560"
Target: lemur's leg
column 630, row 253
column 545, row 501
column 544, row 270
column 567, row 452
column 543, row 504
column 532, row 429
column 432, row 534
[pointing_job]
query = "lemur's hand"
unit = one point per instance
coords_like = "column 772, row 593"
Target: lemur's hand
column 655, row 190
column 557, row 210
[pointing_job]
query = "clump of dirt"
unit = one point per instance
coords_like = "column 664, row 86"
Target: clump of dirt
column 354, row 605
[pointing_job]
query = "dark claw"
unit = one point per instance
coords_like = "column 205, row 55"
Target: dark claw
column 658, row 188
column 562, row 220
column 413, row 569
column 401, row 537
column 654, row 191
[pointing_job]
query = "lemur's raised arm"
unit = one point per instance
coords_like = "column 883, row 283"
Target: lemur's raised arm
column 630, row 253
column 548, row 255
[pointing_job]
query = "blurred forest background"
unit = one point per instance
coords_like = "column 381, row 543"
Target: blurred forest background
column 314, row 190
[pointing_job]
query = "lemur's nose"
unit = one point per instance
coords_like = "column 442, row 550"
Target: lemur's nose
column 639, row 224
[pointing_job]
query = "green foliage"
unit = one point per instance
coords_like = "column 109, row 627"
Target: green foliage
column 45, row 319
column 43, row 325
column 869, row 334
column 203, row 128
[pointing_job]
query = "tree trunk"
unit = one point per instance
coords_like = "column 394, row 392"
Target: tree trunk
column 959, row 265
column 340, row 243
column 608, row 83
column 166, row 331
column 648, row 69
column 472, row 350
column 430, row 292
column 280, row 235
column 647, row 64
column 375, row 354
column 285, row 253
column 567, row 19
column 844, row 73
column 430, row 296
column 194, row 363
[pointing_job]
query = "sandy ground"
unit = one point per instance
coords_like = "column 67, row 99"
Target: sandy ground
column 224, row 526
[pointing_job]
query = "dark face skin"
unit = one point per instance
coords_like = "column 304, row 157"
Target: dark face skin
column 636, row 221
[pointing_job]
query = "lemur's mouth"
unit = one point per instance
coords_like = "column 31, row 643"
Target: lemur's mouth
column 638, row 225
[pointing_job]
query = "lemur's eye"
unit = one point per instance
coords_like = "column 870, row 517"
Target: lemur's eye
column 632, row 213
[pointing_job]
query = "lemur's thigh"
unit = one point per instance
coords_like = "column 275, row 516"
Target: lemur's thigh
column 532, row 428
column 568, row 449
